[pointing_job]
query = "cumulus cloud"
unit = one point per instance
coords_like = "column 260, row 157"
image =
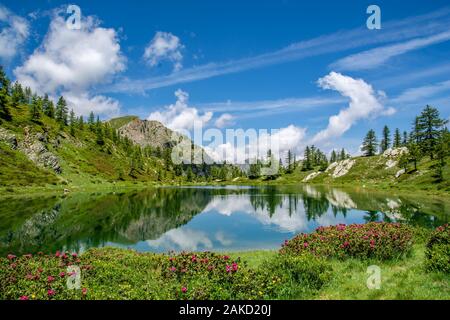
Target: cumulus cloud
column 73, row 62
column 84, row 103
column 364, row 103
column 13, row 34
column 251, row 144
column 224, row 120
column 180, row 116
column 164, row 46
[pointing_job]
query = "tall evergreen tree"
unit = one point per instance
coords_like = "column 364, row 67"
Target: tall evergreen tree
column 397, row 139
column 333, row 156
column 307, row 161
column 17, row 95
column 428, row 129
column 386, row 140
column 36, row 108
column 48, row 107
column 91, row 121
column 4, row 96
column 343, row 154
column 370, row 144
column 405, row 139
column 61, row 112
column 72, row 122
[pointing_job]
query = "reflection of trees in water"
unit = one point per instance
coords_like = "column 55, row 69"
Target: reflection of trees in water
column 94, row 220
column 90, row 220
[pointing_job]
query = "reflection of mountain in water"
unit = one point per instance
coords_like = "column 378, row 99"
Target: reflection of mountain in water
column 88, row 220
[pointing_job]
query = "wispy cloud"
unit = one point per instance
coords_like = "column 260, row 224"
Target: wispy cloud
column 430, row 24
column 255, row 109
column 419, row 93
column 376, row 57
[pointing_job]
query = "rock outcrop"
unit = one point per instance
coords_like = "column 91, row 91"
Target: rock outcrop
column 311, row 176
column 341, row 168
column 149, row 133
column 392, row 155
column 33, row 146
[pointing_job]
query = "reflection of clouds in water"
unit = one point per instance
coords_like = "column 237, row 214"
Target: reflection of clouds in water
column 183, row 239
column 241, row 204
column 229, row 205
column 328, row 219
column 340, row 199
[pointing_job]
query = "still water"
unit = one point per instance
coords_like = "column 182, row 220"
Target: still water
column 198, row 218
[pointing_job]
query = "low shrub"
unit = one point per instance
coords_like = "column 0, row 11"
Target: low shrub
column 111, row 273
column 378, row 240
column 438, row 250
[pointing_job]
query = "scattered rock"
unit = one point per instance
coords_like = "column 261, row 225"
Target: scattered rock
column 311, row 176
column 342, row 168
column 8, row 138
column 331, row 166
column 395, row 152
column 399, row 173
column 391, row 163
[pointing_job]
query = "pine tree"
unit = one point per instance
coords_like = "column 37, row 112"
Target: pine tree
column 48, row 107
column 386, row 141
column 72, row 122
column 414, row 154
column 36, row 108
column 343, row 154
column 91, row 121
column 428, row 129
column 397, row 139
column 4, row 96
column 442, row 151
column 81, row 123
column 333, row 156
column 61, row 112
column 17, row 95
column 405, row 139
column 289, row 160
column 307, row 161
column 370, row 144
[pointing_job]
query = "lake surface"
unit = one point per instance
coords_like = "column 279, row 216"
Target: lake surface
column 198, row 218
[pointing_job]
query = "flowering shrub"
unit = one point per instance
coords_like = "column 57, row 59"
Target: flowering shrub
column 438, row 250
column 40, row 276
column 372, row 240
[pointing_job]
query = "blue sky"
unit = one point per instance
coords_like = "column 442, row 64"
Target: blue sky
column 259, row 63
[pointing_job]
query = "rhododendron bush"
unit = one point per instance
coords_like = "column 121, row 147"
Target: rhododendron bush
column 438, row 250
column 372, row 240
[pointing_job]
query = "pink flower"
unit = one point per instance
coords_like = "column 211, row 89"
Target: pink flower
column 57, row 254
column 62, row 274
column 28, row 256
column 29, row 276
column 305, row 244
column 226, row 257
column 11, row 257
column 51, row 293
column 235, row 266
column 23, row 298
column 13, row 265
column 228, row 268
column 50, row 279
column 194, row 258
column 74, row 255
column 184, row 289
column 173, row 269
column 210, row 267
column 84, row 291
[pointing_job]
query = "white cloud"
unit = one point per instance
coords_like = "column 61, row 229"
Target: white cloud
column 164, row 46
column 364, row 103
column 183, row 239
column 279, row 141
column 224, row 120
column 376, row 57
column 13, row 34
column 83, row 103
column 73, row 62
column 180, row 116
column 418, row 93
